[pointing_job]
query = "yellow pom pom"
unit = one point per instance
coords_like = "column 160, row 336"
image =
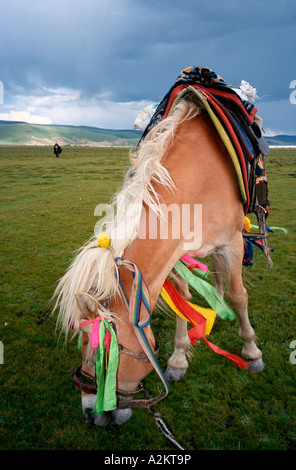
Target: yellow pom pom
column 103, row 240
column 248, row 225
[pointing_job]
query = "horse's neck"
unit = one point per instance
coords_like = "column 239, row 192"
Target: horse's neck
column 203, row 174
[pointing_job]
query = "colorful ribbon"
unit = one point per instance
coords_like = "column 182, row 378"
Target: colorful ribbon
column 207, row 291
column 207, row 313
column 192, row 263
column 94, row 336
column 103, row 338
column 140, row 294
column 274, row 228
column 199, row 323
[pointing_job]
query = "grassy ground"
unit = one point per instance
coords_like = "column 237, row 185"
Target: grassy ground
column 47, row 212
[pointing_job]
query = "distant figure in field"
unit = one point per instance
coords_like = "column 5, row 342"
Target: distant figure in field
column 57, row 150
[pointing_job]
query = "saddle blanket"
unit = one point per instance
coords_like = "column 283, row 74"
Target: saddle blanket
column 234, row 119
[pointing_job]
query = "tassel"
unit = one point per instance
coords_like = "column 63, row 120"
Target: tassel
column 103, row 338
column 246, row 91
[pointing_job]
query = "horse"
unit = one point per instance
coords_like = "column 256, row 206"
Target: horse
column 182, row 162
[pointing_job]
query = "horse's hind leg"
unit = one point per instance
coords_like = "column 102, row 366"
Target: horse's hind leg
column 238, row 297
column 178, row 363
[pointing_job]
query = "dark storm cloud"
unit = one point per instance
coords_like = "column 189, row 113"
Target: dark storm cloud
column 131, row 50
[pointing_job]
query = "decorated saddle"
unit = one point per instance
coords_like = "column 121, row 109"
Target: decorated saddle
column 236, row 121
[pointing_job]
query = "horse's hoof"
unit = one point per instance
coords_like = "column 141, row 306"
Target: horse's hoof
column 87, row 415
column 93, row 418
column 119, row 417
column 88, row 404
column 174, row 374
column 100, row 420
column 256, row 366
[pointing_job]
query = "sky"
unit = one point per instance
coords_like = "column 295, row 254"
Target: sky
column 99, row 62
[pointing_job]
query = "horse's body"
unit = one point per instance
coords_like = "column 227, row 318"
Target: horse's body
column 191, row 167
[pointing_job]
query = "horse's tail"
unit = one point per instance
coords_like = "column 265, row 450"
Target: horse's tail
column 93, row 270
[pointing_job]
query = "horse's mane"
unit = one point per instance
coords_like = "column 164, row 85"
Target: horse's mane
column 93, row 269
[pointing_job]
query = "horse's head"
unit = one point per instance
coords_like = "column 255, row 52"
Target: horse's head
column 113, row 364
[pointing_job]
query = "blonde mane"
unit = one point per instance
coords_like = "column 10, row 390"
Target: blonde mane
column 93, row 269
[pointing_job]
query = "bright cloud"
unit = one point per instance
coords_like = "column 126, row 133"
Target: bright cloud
column 66, row 106
column 25, row 116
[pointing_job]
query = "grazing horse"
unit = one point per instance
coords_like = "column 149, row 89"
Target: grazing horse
column 181, row 162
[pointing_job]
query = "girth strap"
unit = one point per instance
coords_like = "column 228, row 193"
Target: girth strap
column 263, row 235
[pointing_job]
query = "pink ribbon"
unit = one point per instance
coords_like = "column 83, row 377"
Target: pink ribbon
column 94, row 336
column 198, row 264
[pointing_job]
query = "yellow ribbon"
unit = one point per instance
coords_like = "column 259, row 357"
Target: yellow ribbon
column 208, row 313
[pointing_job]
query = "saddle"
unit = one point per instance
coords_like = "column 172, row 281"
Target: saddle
column 239, row 127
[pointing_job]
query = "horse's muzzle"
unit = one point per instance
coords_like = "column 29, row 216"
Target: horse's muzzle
column 113, row 418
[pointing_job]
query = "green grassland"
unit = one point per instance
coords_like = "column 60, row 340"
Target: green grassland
column 47, row 212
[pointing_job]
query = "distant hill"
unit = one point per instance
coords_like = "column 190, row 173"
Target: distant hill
column 281, row 140
column 22, row 133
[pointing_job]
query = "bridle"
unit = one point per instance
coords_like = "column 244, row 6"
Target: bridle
column 139, row 356
column 87, row 384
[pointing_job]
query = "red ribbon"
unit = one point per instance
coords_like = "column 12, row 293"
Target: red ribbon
column 198, row 331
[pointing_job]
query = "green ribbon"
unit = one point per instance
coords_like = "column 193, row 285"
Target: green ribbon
column 207, row 291
column 106, row 379
column 274, row 228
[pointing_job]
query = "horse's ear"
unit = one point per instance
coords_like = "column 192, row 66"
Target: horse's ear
column 87, row 305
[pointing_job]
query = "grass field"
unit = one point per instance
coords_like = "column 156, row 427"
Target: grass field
column 47, row 212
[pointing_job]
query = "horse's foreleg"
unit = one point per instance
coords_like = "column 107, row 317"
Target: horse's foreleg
column 178, row 363
column 238, row 297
